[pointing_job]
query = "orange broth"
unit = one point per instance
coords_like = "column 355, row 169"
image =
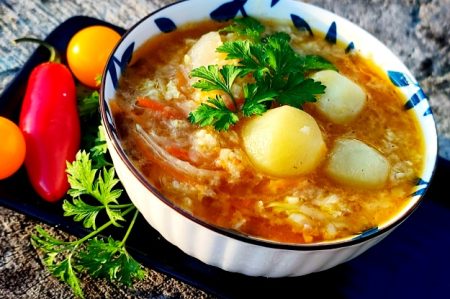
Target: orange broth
column 303, row 209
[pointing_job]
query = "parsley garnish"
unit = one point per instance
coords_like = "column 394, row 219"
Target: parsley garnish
column 83, row 180
column 99, row 149
column 88, row 105
column 214, row 112
column 278, row 74
column 213, row 78
column 94, row 195
column 110, row 260
column 245, row 27
column 93, row 136
column 256, row 99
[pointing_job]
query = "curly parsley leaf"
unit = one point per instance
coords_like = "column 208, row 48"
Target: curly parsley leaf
column 214, row 112
column 81, row 175
column 257, row 99
column 104, row 187
column 99, row 150
column 88, row 105
column 315, row 63
column 66, row 272
column 109, row 259
column 249, row 27
column 84, row 180
column 246, row 52
column 82, row 212
column 298, row 93
column 63, row 269
column 214, row 78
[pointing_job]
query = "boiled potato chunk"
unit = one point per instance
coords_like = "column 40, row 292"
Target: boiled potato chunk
column 354, row 163
column 284, row 141
column 203, row 52
column 343, row 99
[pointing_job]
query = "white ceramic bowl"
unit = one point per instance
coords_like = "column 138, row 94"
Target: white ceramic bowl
column 229, row 250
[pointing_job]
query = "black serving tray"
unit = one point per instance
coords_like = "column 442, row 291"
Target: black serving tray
column 412, row 262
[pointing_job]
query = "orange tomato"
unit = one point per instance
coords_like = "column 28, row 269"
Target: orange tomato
column 88, row 51
column 12, row 148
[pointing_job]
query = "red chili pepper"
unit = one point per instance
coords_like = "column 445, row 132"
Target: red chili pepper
column 51, row 126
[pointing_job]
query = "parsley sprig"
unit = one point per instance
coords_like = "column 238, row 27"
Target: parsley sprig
column 213, row 78
column 248, row 27
column 84, row 180
column 215, row 111
column 95, row 201
column 88, row 105
column 277, row 72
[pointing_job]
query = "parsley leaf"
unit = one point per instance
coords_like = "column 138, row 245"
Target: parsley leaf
column 110, row 260
column 99, row 150
column 66, row 260
column 65, row 271
column 62, row 269
column 84, row 180
column 81, row 176
column 282, row 59
column 214, row 78
column 214, row 112
column 88, row 105
column 315, row 62
column 82, row 212
column 277, row 69
column 241, row 50
column 249, row 27
column 298, row 93
column 257, row 99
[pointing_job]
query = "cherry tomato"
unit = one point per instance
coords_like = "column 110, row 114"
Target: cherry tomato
column 88, row 51
column 12, row 148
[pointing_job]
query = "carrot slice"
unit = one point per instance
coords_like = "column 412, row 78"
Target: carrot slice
column 178, row 152
column 163, row 110
column 146, row 102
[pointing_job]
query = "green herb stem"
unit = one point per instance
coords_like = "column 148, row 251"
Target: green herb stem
column 130, row 227
column 121, row 206
column 103, row 227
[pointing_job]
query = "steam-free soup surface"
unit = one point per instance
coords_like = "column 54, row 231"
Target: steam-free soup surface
column 209, row 174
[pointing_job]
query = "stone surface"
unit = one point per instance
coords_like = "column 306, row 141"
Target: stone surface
column 418, row 31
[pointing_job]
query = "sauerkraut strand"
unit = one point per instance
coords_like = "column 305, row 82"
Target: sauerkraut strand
column 179, row 165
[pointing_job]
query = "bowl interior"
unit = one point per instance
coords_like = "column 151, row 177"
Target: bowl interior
column 304, row 17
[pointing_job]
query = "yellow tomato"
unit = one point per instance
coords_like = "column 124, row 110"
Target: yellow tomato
column 12, row 148
column 88, row 51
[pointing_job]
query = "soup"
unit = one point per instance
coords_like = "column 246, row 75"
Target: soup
column 337, row 167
